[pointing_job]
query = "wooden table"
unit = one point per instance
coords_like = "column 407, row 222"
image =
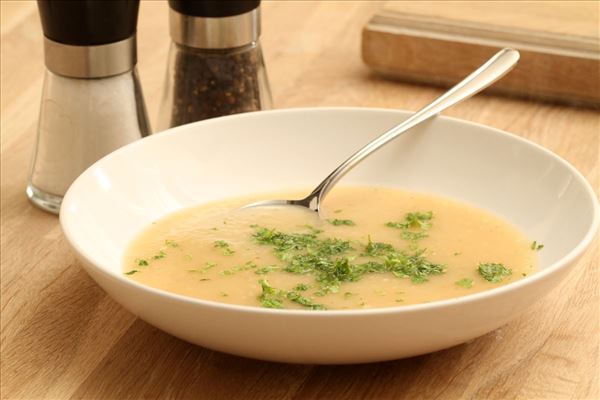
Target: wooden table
column 63, row 337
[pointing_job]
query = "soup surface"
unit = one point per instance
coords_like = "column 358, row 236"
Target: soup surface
column 374, row 247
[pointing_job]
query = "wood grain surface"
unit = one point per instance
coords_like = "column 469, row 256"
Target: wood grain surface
column 63, row 337
column 559, row 43
column 569, row 18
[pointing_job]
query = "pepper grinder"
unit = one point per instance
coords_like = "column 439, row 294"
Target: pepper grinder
column 92, row 101
column 215, row 64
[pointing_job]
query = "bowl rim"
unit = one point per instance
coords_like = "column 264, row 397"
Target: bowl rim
column 560, row 264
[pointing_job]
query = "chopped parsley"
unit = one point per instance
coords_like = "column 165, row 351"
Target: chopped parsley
column 536, row 246
column 206, row 267
column 239, row 268
column 274, row 298
column 412, row 236
column 413, row 226
column 141, row 262
column 330, row 262
column 133, row 271
column 339, row 222
column 266, row 270
column 465, row 282
column 270, row 297
column 493, row 272
column 224, row 246
column 301, row 287
column 304, row 301
column 397, row 225
column 286, row 245
column 375, row 249
column 414, row 266
column 420, row 220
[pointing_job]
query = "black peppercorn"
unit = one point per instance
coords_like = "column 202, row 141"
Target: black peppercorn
column 210, row 84
column 216, row 65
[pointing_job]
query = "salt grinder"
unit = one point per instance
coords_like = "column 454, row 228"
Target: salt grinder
column 92, row 101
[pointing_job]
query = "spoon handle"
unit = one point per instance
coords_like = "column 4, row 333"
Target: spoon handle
column 494, row 69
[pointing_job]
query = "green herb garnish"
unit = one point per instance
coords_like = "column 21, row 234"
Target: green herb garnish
column 329, row 261
column 270, row 297
column 414, row 225
column 535, row 246
column 493, row 272
column 301, row 287
column 287, row 245
column 397, row 225
column 273, row 298
column 376, row 249
column 224, row 246
column 141, row 262
column 421, row 220
column 239, row 268
column 304, row 301
column 171, row 243
column 339, row 222
column 133, row 271
column 414, row 266
column 206, row 267
column 413, row 236
column 266, row 270
column 465, row 282
column 161, row 254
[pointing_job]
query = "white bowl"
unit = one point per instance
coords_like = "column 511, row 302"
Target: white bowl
column 528, row 185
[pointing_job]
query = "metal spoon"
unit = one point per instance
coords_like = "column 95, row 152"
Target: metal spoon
column 494, row 69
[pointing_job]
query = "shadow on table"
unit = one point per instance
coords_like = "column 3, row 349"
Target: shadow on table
column 148, row 363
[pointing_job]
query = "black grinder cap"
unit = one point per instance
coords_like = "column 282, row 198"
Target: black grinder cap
column 88, row 22
column 213, row 8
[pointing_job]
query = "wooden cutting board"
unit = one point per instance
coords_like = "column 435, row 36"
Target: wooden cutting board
column 440, row 42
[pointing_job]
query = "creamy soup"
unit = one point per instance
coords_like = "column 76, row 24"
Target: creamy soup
column 373, row 247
